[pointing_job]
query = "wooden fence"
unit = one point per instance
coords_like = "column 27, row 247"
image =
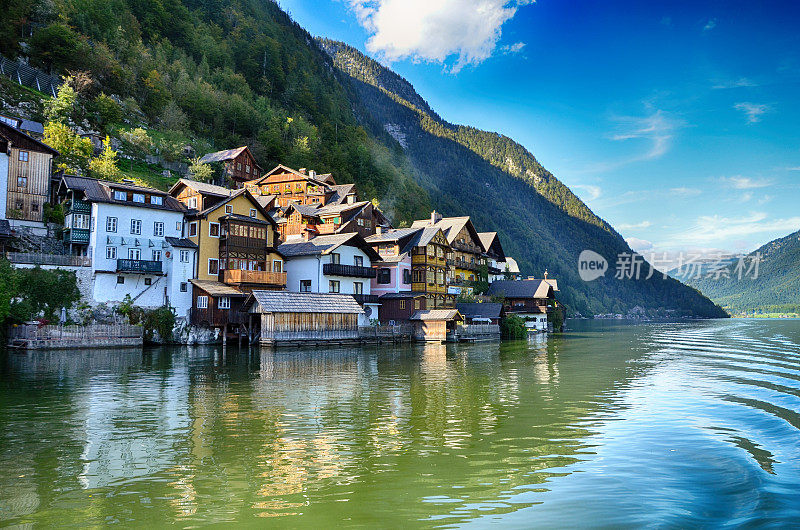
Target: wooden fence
column 29, row 76
column 399, row 332
column 474, row 332
column 59, row 260
column 31, row 336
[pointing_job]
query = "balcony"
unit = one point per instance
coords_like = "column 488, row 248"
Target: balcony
column 76, row 235
column 366, row 298
column 78, row 206
column 351, row 271
column 237, row 277
column 139, row 266
column 214, row 317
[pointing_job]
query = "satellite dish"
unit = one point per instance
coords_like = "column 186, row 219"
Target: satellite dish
column 367, row 311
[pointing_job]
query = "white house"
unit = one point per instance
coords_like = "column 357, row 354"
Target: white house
column 3, row 177
column 340, row 263
column 134, row 237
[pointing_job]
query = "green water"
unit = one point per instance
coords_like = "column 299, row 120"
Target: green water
column 607, row 425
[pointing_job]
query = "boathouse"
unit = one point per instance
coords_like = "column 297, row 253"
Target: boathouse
column 280, row 317
column 433, row 325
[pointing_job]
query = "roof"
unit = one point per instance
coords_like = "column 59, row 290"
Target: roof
column 401, row 295
column 490, row 239
column 303, row 209
column 340, row 191
column 286, row 302
column 233, row 195
column 265, row 200
column 338, row 209
column 422, row 238
column 521, row 288
column 553, row 283
column 436, row 314
column 451, row 226
column 477, row 310
column 179, row 242
column 202, row 187
column 95, row 190
column 216, row 288
column 224, row 156
column 23, row 141
column 321, row 245
column 246, row 219
column 512, row 265
column 392, row 235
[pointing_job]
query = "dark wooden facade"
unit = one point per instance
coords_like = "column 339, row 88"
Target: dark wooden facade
column 399, row 307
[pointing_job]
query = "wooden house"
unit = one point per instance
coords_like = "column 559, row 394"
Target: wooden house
column 398, row 307
column 531, row 300
column 495, row 256
column 433, row 325
column 26, row 167
column 198, row 195
column 277, row 317
column 240, row 164
column 481, row 313
column 293, row 186
column 468, row 256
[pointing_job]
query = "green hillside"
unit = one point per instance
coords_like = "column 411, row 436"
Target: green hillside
column 776, row 289
column 216, row 74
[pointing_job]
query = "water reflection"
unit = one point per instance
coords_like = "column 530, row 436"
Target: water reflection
column 554, row 431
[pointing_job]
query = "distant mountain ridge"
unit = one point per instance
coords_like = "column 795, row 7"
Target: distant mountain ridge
column 501, row 185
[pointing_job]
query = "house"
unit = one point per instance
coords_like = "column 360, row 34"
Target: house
column 532, row 300
column 339, row 263
column 512, row 269
column 480, row 313
column 240, row 164
column 26, row 166
column 198, row 195
column 360, row 217
column 433, row 325
column 134, row 237
column 468, row 254
column 236, row 241
column 394, row 270
column 495, row 257
column 34, row 129
column 276, row 317
column 294, row 186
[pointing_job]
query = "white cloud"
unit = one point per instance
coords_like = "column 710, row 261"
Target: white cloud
column 753, row 111
column 639, row 245
column 593, row 191
column 435, row 30
column 797, row 168
column 765, row 199
column 735, row 83
column 513, row 48
column 746, row 183
column 713, row 228
column 711, row 24
column 643, row 224
column 746, row 197
column 685, row 192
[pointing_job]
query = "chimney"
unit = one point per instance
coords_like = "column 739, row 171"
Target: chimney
column 545, row 274
column 435, row 217
column 312, row 173
column 379, row 229
column 302, row 170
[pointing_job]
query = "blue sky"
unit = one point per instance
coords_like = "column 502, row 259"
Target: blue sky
column 679, row 123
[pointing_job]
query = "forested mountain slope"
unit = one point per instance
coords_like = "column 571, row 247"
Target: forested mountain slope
column 773, row 288
column 218, row 74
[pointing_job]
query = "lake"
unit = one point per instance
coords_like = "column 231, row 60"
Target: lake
column 609, row 425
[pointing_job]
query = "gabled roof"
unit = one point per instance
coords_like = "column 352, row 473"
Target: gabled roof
column 303, row 209
column 491, row 244
column 340, row 192
column 203, row 188
column 280, row 168
column 286, row 302
column 338, row 209
column 21, row 140
column 480, row 310
column 234, row 194
column 521, row 288
column 451, row 226
column 178, row 242
column 266, row 201
column 392, row 235
column 216, row 288
column 401, row 295
column 226, row 155
column 422, row 238
column 322, row 245
column 436, row 314
column 95, row 190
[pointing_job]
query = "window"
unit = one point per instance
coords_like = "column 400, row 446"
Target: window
column 406, row 276
column 158, row 229
column 157, row 200
column 213, row 229
column 156, row 255
column 277, row 266
column 305, row 286
column 136, row 227
column 120, row 279
column 184, row 287
column 120, row 195
column 111, row 224
column 384, row 276
column 213, row 266
column 416, row 304
column 134, row 253
column 148, row 281
column 402, row 304
column 178, row 226
column 22, row 182
column 184, row 256
column 333, row 286
column 202, row 302
column 252, row 212
column 335, row 257
column 111, row 252
column 193, row 229
column 358, row 261
column 238, row 166
column 81, row 220
column 228, row 208
column 224, row 303
column 23, row 156
column 191, row 202
column 358, row 288
column 247, row 168
column 138, row 197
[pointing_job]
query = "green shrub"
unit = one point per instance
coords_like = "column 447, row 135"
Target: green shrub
column 513, row 327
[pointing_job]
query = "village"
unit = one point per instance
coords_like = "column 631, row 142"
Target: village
column 283, row 256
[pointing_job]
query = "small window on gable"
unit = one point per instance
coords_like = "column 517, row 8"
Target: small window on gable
column 252, row 212
column 228, row 208
column 120, row 279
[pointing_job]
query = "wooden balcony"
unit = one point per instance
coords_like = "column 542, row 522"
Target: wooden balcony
column 139, row 266
column 237, row 277
column 352, row 271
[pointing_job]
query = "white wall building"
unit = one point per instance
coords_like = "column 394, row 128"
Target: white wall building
column 134, row 237
column 3, row 179
column 340, row 263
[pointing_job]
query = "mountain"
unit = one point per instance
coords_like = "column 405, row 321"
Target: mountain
column 214, row 74
column 773, row 288
column 501, row 185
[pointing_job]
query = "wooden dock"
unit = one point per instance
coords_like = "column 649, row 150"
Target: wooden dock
column 35, row 337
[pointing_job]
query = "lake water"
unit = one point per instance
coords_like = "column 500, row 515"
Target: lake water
column 607, row 425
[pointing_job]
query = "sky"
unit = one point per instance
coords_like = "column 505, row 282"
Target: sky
column 676, row 122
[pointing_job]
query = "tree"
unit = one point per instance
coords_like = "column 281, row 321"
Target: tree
column 108, row 111
column 61, row 108
column 74, row 151
column 513, row 327
column 105, row 166
column 57, row 45
column 200, row 171
column 43, row 293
